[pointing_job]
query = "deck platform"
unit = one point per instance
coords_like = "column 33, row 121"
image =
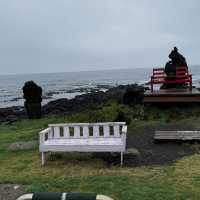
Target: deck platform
column 172, row 96
column 177, row 135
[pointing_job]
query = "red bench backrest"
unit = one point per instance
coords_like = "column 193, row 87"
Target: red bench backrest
column 158, row 72
column 181, row 72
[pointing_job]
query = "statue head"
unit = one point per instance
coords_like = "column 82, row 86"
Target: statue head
column 175, row 49
column 174, row 54
column 176, row 60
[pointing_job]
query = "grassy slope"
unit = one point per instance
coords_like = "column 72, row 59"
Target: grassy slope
column 78, row 173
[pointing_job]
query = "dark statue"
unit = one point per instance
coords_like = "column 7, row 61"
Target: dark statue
column 33, row 98
column 177, row 60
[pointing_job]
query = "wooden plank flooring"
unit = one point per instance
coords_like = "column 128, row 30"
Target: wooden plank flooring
column 177, row 135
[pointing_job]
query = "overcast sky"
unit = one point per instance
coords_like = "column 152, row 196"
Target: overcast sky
column 74, row 35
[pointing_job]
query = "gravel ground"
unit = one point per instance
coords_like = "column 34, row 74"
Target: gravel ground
column 11, row 191
column 150, row 153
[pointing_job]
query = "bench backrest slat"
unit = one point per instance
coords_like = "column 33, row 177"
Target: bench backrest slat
column 66, row 132
column 59, row 131
column 56, row 132
column 77, row 132
column 50, row 134
column 182, row 68
column 85, row 131
column 117, row 131
column 158, row 72
column 106, row 131
column 96, row 131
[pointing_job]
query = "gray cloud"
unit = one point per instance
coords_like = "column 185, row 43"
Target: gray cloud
column 68, row 35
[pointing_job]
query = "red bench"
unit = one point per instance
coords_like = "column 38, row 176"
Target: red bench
column 182, row 76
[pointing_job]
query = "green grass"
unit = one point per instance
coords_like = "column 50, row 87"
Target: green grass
column 81, row 173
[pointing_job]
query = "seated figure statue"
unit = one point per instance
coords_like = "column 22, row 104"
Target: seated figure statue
column 177, row 60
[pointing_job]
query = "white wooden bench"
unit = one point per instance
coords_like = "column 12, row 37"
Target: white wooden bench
column 84, row 137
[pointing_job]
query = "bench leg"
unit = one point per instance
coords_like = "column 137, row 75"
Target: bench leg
column 122, row 159
column 43, row 157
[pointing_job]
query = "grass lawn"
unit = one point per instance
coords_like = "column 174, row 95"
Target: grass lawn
column 81, row 173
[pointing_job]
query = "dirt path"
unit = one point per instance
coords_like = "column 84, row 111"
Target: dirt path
column 151, row 153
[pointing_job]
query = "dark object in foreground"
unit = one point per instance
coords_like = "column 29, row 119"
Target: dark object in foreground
column 134, row 95
column 33, row 98
column 122, row 117
column 63, row 196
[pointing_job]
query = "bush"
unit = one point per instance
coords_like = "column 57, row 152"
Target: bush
column 134, row 95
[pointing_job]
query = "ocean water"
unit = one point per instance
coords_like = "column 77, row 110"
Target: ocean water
column 70, row 84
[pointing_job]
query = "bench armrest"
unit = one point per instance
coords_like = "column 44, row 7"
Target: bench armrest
column 43, row 134
column 124, row 129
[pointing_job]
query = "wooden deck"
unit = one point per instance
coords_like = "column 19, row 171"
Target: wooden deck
column 177, row 135
column 172, row 95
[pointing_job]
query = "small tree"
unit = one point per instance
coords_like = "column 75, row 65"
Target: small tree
column 33, row 98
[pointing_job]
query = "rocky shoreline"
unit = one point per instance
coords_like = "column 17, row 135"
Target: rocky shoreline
column 65, row 106
column 50, row 94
